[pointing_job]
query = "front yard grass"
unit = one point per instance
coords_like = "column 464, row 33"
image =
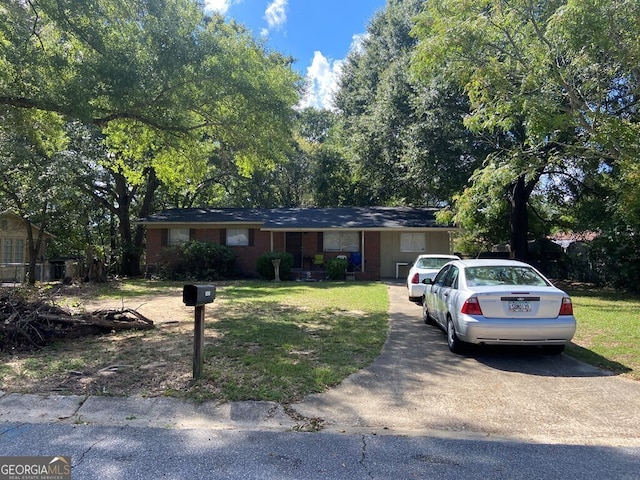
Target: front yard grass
column 283, row 341
column 608, row 333
column 263, row 341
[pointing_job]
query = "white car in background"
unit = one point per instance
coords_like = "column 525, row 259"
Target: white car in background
column 498, row 302
column 425, row 266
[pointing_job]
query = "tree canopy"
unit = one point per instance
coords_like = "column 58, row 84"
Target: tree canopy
column 555, row 81
column 519, row 116
column 163, row 84
column 405, row 140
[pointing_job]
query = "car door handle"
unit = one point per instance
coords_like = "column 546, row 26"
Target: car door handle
column 446, row 295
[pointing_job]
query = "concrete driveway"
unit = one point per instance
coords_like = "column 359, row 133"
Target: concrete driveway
column 418, row 387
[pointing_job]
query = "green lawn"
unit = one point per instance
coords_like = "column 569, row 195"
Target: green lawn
column 608, row 333
column 282, row 341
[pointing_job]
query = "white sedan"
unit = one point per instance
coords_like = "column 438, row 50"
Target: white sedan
column 425, row 266
column 498, row 302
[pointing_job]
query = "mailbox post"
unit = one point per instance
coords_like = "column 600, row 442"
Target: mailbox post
column 198, row 296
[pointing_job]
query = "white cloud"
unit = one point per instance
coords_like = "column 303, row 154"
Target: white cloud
column 323, row 75
column 219, row 6
column 276, row 14
column 321, row 82
column 357, row 42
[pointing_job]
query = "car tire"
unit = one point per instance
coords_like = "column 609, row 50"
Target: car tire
column 425, row 313
column 455, row 344
column 553, row 349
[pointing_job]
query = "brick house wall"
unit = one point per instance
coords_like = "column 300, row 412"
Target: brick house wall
column 246, row 256
column 154, row 245
column 392, row 235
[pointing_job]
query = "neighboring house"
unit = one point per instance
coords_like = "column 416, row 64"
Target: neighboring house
column 387, row 239
column 14, row 258
column 565, row 239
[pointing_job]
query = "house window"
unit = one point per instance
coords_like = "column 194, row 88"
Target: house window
column 341, row 241
column 178, row 236
column 413, row 242
column 237, row 237
column 7, row 250
column 13, row 250
column 18, row 251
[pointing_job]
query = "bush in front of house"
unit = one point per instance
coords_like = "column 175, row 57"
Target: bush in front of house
column 615, row 259
column 337, row 268
column 197, row 261
column 265, row 266
column 171, row 265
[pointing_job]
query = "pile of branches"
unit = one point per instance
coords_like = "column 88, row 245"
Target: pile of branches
column 28, row 324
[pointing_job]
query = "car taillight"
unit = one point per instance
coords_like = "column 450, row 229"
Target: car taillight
column 566, row 308
column 471, row 307
column 415, row 278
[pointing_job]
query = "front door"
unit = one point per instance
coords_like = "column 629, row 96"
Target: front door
column 294, row 247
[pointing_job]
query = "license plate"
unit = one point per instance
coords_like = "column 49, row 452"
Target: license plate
column 518, row 307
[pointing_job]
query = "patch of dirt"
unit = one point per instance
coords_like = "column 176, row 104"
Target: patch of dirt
column 151, row 362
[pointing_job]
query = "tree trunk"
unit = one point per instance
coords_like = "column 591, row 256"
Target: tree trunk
column 33, row 254
column 145, row 207
column 133, row 240
column 521, row 191
column 519, row 221
column 34, row 246
column 130, row 260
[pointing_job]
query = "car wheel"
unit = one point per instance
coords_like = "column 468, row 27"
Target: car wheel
column 425, row 312
column 455, row 344
column 553, row 349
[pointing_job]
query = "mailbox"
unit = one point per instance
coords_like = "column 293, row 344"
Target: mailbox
column 194, row 295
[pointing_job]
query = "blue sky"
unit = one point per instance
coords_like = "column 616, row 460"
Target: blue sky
column 318, row 34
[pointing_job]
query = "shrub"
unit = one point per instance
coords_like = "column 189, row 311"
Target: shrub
column 616, row 260
column 336, row 268
column 197, row 261
column 265, row 267
column 171, row 265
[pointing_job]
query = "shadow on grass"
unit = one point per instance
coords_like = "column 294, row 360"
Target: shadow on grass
column 593, row 291
column 592, row 358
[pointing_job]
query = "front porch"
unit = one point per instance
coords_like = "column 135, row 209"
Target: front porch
column 299, row 275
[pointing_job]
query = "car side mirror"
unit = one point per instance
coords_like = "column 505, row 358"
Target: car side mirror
column 428, row 281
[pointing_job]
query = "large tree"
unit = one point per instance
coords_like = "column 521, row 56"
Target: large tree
column 406, row 140
column 556, row 80
column 35, row 172
column 167, row 86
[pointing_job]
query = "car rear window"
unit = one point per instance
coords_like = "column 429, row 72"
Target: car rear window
column 433, row 262
column 503, row 275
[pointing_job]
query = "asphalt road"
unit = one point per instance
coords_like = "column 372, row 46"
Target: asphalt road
column 418, row 411
column 128, row 453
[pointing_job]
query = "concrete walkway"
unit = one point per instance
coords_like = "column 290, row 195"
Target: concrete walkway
column 415, row 387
